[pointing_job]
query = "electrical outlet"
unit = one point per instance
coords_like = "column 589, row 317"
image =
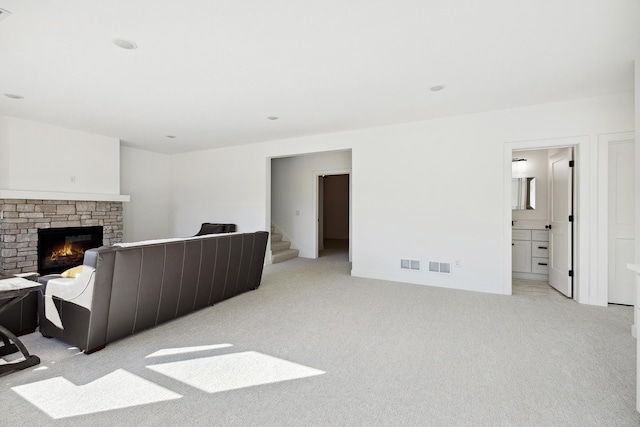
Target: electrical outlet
column 457, row 263
column 72, row 179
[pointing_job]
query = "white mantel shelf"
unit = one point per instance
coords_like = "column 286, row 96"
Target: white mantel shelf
column 52, row 195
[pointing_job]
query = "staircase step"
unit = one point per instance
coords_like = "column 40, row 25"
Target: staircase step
column 282, row 245
column 281, row 256
column 275, row 237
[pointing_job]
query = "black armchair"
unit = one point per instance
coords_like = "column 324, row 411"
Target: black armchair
column 22, row 317
column 209, row 228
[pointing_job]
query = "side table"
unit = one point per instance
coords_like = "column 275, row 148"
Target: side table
column 12, row 290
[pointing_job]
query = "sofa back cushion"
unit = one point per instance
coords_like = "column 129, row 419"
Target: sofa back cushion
column 154, row 283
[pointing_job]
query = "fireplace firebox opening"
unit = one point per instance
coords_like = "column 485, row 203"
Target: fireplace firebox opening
column 62, row 248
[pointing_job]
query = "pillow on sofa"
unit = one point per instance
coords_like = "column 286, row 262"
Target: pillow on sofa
column 72, row 273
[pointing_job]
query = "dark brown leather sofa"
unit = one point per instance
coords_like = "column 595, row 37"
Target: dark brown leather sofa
column 126, row 289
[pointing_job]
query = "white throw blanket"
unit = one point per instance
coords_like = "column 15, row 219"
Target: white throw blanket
column 78, row 291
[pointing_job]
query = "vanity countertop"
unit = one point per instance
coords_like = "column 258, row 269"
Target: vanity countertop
column 528, row 227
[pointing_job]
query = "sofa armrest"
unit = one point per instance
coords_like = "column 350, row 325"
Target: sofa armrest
column 78, row 291
column 29, row 276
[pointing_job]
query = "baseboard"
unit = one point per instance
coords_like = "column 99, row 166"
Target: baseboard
column 424, row 281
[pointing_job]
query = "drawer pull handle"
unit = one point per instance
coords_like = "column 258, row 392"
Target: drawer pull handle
column 542, row 247
column 542, row 263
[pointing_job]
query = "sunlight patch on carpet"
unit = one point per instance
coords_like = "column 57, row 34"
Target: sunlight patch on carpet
column 233, row 371
column 60, row 398
column 183, row 350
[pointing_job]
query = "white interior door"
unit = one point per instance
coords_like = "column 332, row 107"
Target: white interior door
column 560, row 208
column 621, row 222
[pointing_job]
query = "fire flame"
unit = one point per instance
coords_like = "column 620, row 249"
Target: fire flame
column 66, row 250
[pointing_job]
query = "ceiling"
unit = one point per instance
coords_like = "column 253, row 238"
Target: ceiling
column 210, row 72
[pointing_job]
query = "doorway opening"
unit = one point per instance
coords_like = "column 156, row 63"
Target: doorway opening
column 567, row 239
column 293, row 197
column 333, row 214
column 542, row 221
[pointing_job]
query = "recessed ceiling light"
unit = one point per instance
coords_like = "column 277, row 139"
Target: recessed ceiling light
column 436, row 88
column 273, row 117
column 13, row 96
column 171, row 136
column 125, row 44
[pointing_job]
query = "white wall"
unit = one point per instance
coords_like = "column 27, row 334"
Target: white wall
column 41, row 157
column 431, row 190
column 537, row 167
column 226, row 186
column 292, row 185
column 637, row 218
column 637, row 122
column 145, row 177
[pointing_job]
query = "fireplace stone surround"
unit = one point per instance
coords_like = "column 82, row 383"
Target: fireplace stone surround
column 20, row 220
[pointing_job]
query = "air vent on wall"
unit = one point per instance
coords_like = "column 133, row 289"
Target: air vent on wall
column 410, row 264
column 4, row 14
column 440, row 267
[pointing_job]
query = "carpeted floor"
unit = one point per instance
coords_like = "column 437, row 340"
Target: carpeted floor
column 315, row 346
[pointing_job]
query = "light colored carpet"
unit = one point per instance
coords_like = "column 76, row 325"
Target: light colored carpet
column 339, row 350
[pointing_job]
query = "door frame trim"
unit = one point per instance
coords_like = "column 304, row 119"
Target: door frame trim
column 585, row 208
column 603, row 208
column 316, row 175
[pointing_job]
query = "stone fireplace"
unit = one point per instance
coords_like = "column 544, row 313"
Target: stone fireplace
column 21, row 219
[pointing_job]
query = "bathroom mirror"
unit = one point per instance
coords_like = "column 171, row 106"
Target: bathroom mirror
column 523, row 194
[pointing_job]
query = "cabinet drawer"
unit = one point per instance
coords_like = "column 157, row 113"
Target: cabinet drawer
column 541, row 235
column 540, row 265
column 540, row 249
column 521, row 234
